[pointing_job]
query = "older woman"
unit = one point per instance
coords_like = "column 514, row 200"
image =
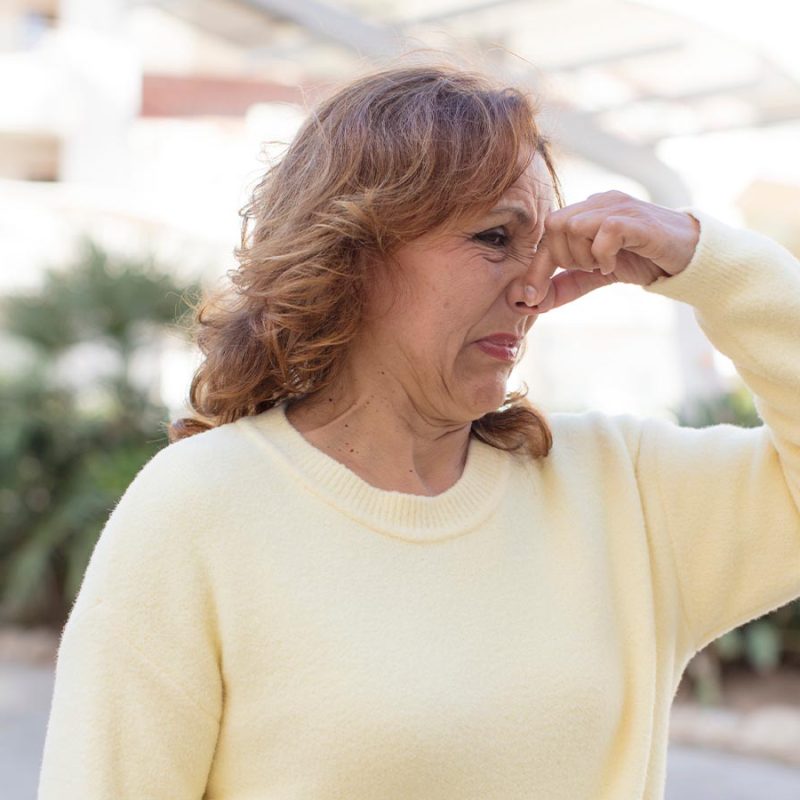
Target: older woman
column 362, row 569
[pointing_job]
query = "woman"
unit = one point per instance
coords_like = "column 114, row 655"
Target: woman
column 362, row 569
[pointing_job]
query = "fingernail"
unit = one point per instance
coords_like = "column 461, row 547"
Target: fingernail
column 531, row 296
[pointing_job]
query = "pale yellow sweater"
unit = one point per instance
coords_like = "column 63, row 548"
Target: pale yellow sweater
column 258, row 623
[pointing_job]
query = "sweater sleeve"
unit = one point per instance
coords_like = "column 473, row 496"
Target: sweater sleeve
column 137, row 695
column 728, row 498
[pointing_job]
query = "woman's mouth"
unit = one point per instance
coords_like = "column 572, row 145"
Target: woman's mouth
column 501, row 346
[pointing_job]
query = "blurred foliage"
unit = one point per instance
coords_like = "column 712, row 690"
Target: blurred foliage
column 63, row 463
column 763, row 644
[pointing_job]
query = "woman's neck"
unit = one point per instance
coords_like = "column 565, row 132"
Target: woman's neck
column 380, row 437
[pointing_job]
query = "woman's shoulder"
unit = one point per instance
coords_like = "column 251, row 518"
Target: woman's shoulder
column 188, row 492
column 595, row 424
column 586, row 431
column 200, row 451
column 202, row 468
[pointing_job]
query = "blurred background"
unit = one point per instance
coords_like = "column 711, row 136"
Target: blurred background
column 132, row 132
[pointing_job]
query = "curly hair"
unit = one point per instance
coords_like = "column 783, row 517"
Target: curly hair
column 391, row 156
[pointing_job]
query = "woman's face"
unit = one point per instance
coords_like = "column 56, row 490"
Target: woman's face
column 460, row 285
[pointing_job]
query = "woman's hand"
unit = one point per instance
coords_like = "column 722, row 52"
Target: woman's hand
column 610, row 237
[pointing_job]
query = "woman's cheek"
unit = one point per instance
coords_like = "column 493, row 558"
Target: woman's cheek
column 480, row 273
column 497, row 270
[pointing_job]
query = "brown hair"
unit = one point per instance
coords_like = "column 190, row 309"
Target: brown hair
column 391, row 156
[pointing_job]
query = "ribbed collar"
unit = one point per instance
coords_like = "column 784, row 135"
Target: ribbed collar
column 408, row 516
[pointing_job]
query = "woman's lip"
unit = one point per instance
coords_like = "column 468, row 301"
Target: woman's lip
column 501, row 352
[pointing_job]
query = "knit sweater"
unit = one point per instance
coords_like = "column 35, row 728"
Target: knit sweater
column 259, row 623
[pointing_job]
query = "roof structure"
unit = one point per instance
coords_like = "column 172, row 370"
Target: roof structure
column 616, row 77
column 619, row 83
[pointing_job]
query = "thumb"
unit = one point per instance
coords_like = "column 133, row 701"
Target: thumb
column 569, row 285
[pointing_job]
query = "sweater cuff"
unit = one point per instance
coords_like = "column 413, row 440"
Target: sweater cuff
column 725, row 261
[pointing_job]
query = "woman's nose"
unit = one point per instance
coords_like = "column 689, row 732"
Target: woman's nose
column 527, row 293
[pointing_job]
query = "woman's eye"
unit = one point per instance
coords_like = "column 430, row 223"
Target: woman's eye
column 496, row 237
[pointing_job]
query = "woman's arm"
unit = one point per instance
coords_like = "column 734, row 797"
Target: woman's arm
column 137, row 697
column 728, row 498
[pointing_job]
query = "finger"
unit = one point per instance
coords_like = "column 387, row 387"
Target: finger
column 541, row 270
column 570, row 237
column 622, row 233
column 569, row 286
column 579, row 233
column 573, row 230
column 556, row 243
column 581, row 250
column 591, row 250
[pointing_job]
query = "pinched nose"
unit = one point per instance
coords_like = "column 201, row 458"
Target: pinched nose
column 532, row 297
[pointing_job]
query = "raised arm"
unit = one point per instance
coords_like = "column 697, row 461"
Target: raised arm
column 725, row 499
column 729, row 497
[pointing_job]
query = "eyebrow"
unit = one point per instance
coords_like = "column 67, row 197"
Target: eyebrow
column 518, row 211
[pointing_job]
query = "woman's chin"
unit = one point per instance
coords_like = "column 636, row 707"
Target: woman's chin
column 488, row 397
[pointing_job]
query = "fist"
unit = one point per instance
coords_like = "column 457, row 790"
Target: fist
column 610, row 237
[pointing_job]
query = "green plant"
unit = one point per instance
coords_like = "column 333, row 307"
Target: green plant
column 65, row 463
